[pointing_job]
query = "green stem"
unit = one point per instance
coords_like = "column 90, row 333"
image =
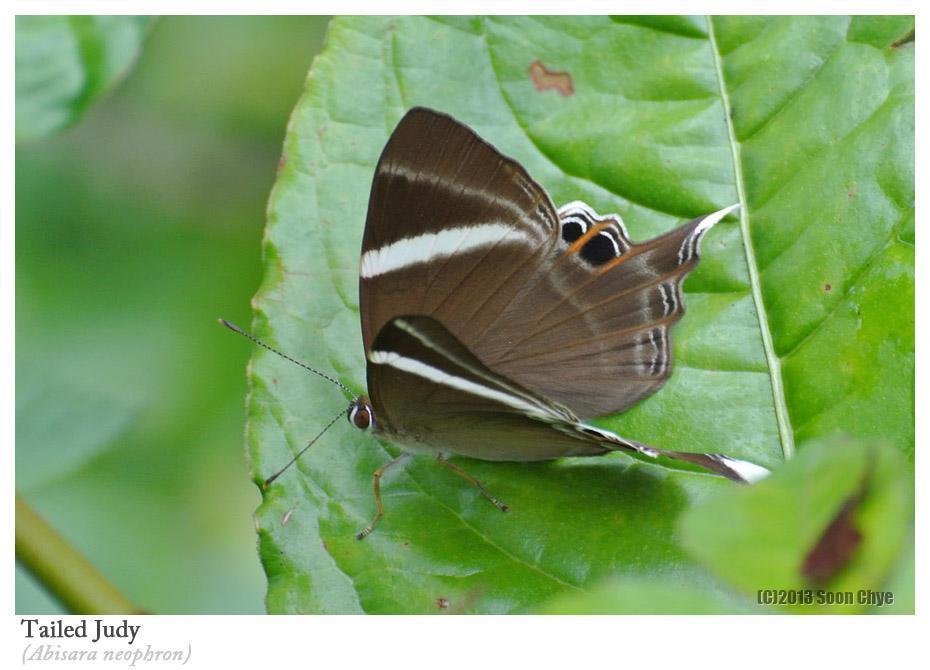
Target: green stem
column 67, row 574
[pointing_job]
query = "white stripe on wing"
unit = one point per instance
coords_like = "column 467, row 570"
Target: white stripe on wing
column 499, row 382
column 437, row 376
column 430, row 246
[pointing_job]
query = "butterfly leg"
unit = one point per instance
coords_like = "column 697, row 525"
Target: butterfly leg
column 362, row 534
column 464, row 475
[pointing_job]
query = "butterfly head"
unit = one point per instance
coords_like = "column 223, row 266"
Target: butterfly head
column 361, row 414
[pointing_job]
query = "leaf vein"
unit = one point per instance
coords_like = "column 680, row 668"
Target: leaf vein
column 861, row 270
column 487, row 540
column 786, row 103
column 798, row 172
column 785, row 432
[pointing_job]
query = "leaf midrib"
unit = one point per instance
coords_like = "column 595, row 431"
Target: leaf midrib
column 785, row 432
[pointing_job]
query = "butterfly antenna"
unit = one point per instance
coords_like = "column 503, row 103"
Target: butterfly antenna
column 300, row 453
column 236, row 329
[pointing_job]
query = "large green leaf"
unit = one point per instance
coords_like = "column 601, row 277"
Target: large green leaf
column 63, row 63
column 800, row 317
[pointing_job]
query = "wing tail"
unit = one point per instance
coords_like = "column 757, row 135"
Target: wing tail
column 736, row 469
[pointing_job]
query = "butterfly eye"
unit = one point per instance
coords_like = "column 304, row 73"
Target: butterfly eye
column 360, row 416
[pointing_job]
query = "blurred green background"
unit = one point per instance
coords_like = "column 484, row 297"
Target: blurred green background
column 135, row 229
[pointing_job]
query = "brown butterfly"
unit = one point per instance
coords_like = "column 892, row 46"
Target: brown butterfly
column 494, row 323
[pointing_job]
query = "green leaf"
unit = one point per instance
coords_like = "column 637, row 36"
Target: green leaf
column 800, row 316
column 882, row 31
column 64, row 63
column 758, row 537
column 650, row 595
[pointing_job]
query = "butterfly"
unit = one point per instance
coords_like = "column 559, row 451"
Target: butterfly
column 494, row 323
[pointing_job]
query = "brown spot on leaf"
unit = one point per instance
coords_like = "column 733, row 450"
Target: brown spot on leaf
column 827, row 288
column 282, row 162
column 836, row 546
column 851, row 193
column 543, row 79
column 442, row 603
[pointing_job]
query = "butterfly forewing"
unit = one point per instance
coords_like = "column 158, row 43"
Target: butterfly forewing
column 453, row 228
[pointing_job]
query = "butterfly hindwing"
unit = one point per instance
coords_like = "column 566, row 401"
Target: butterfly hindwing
column 600, row 313
column 430, row 392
